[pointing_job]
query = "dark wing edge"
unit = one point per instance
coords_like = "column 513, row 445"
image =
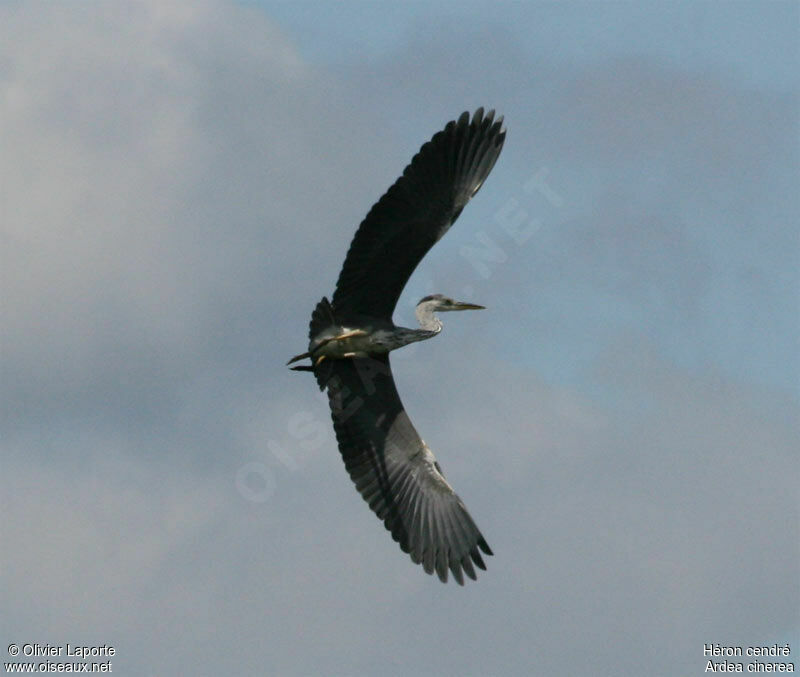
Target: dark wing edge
column 415, row 213
column 396, row 473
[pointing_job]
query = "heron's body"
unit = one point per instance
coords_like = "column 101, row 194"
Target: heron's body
column 370, row 335
column 351, row 336
column 339, row 342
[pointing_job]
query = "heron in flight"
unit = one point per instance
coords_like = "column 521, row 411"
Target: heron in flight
column 351, row 336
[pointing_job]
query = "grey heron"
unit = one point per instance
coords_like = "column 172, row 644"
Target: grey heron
column 351, row 336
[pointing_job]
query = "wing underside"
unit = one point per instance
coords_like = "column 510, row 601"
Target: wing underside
column 397, row 474
column 415, row 213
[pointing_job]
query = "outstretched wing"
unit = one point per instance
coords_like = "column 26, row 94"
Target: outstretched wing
column 396, row 473
column 415, row 213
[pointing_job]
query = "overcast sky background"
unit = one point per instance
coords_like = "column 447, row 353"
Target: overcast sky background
column 179, row 185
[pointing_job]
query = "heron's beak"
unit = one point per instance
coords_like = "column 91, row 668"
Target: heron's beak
column 459, row 305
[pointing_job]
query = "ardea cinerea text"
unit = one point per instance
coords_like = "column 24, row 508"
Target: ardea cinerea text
column 351, row 337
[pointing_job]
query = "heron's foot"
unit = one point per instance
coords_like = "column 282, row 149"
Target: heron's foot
column 349, row 334
column 299, row 357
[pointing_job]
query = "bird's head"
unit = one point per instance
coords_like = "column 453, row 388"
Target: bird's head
column 441, row 303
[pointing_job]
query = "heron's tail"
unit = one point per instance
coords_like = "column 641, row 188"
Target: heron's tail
column 321, row 318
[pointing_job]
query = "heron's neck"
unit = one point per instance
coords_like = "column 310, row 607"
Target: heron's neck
column 427, row 319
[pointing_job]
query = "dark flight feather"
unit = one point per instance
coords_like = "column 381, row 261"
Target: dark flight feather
column 397, row 474
column 415, row 213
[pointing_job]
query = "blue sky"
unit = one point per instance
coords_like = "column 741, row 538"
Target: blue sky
column 693, row 35
column 180, row 183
